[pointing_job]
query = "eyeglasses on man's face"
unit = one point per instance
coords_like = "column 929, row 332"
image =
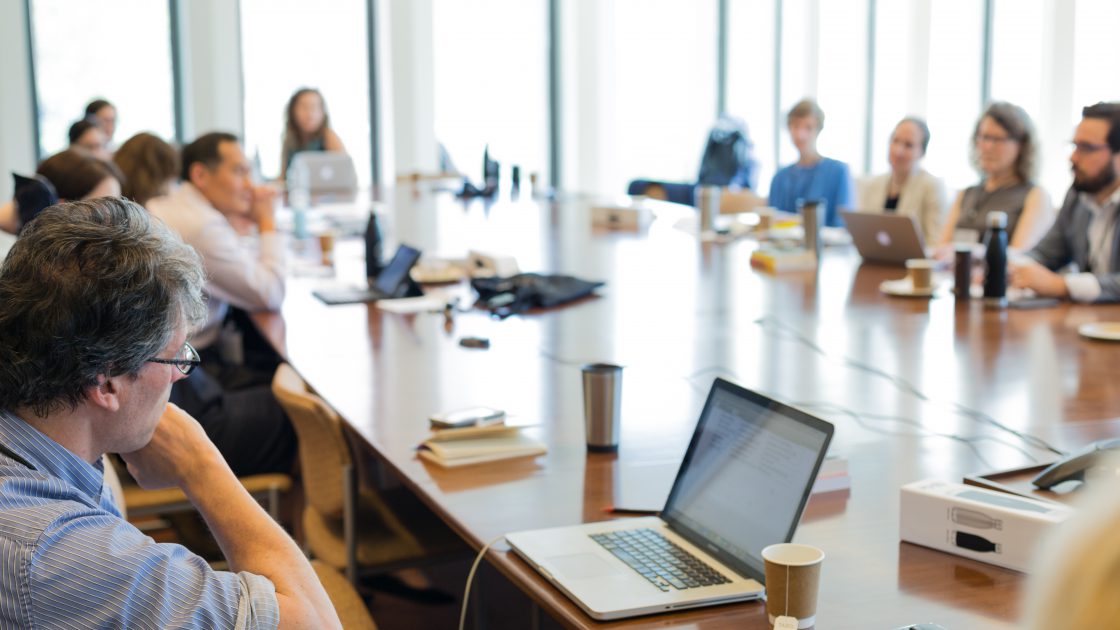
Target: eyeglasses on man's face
column 185, row 361
column 1085, row 148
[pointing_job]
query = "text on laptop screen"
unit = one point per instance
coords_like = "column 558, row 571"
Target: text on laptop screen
column 744, row 481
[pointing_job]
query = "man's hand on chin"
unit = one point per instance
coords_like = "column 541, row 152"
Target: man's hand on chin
column 178, row 448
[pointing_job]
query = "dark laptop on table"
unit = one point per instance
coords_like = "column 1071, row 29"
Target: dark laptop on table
column 742, row 486
column 884, row 238
column 393, row 282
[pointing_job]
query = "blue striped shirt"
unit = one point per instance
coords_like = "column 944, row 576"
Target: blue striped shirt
column 68, row 559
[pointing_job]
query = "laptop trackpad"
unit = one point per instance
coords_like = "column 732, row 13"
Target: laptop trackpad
column 581, row 566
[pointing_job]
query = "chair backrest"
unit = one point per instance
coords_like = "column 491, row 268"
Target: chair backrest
column 352, row 611
column 727, row 158
column 324, row 452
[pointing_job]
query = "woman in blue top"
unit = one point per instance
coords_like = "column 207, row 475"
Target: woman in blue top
column 813, row 177
column 308, row 128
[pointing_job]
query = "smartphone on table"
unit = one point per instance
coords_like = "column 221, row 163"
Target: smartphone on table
column 466, row 417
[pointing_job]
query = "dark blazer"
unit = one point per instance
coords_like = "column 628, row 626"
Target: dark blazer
column 1068, row 242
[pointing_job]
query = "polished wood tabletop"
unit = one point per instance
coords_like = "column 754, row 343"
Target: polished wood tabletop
column 917, row 388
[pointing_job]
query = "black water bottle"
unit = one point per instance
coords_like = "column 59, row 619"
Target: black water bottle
column 995, row 260
column 373, row 247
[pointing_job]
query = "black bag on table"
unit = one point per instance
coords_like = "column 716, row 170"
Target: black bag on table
column 517, row 294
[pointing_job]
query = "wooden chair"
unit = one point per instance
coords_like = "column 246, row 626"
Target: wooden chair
column 265, row 488
column 348, row 526
column 352, row 611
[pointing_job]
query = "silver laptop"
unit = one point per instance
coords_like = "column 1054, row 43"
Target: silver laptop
column 326, row 171
column 884, row 238
column 742, row 486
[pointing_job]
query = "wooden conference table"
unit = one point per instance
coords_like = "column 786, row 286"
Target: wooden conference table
column 891, row 373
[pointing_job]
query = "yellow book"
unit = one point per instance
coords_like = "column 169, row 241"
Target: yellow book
column 777, row 260
column 451, row 448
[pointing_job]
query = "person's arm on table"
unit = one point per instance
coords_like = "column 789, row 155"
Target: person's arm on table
column 181, row 455
column 1046, row 283
column 1055, row 251
column 1080, row 287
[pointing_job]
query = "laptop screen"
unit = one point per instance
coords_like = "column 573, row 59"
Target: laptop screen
column 746, row 476
column 394, row 274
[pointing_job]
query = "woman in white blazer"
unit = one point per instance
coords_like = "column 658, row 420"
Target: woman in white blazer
column 908, row 189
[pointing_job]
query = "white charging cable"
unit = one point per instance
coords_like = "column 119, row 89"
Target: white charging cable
column 470, row 579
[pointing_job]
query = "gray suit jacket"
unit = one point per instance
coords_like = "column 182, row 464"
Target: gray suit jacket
column 1068, row 242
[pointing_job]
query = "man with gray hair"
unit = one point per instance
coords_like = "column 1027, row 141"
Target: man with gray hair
column 96, row 302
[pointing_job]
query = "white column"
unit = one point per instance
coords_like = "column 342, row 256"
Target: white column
column 383, row 39
column 412, row 83
column 812, row 47
column 917, row 91
column 210, row 35
column 17, row 138
column 1058, row 113
column 586, row 103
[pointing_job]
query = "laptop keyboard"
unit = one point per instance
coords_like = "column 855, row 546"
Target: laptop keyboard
column 659, row 560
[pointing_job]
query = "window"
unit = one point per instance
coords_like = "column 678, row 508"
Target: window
column 1018, row 63
column 895, row 66
column 491, row 83
column 842, row 81
column 1017, row 51
column 798, row 66
column 661, row 100
column 119, row 50
column 955, row 60
column 750, row 80
column 1096, row 23
column 290, row 44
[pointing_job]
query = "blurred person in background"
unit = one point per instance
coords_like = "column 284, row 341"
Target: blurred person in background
column 106, row 115
column 307, row 128
column 231, row 396
column 87, row 134
column 150, row 166
column 70, row 175
column 813, row 177
column 908, row 189
column 1005, row 152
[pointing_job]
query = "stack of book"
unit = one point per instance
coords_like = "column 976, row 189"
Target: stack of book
column 451, row 448
column 777, row 258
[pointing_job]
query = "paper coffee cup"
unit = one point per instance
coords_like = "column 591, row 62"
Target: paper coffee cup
column 326, row 248
column 793, row 574
column 765, row 218
column 920, row 271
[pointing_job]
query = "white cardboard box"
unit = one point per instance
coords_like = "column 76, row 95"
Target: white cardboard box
column 486, row 265
column 621, row 217
column 985, row 525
